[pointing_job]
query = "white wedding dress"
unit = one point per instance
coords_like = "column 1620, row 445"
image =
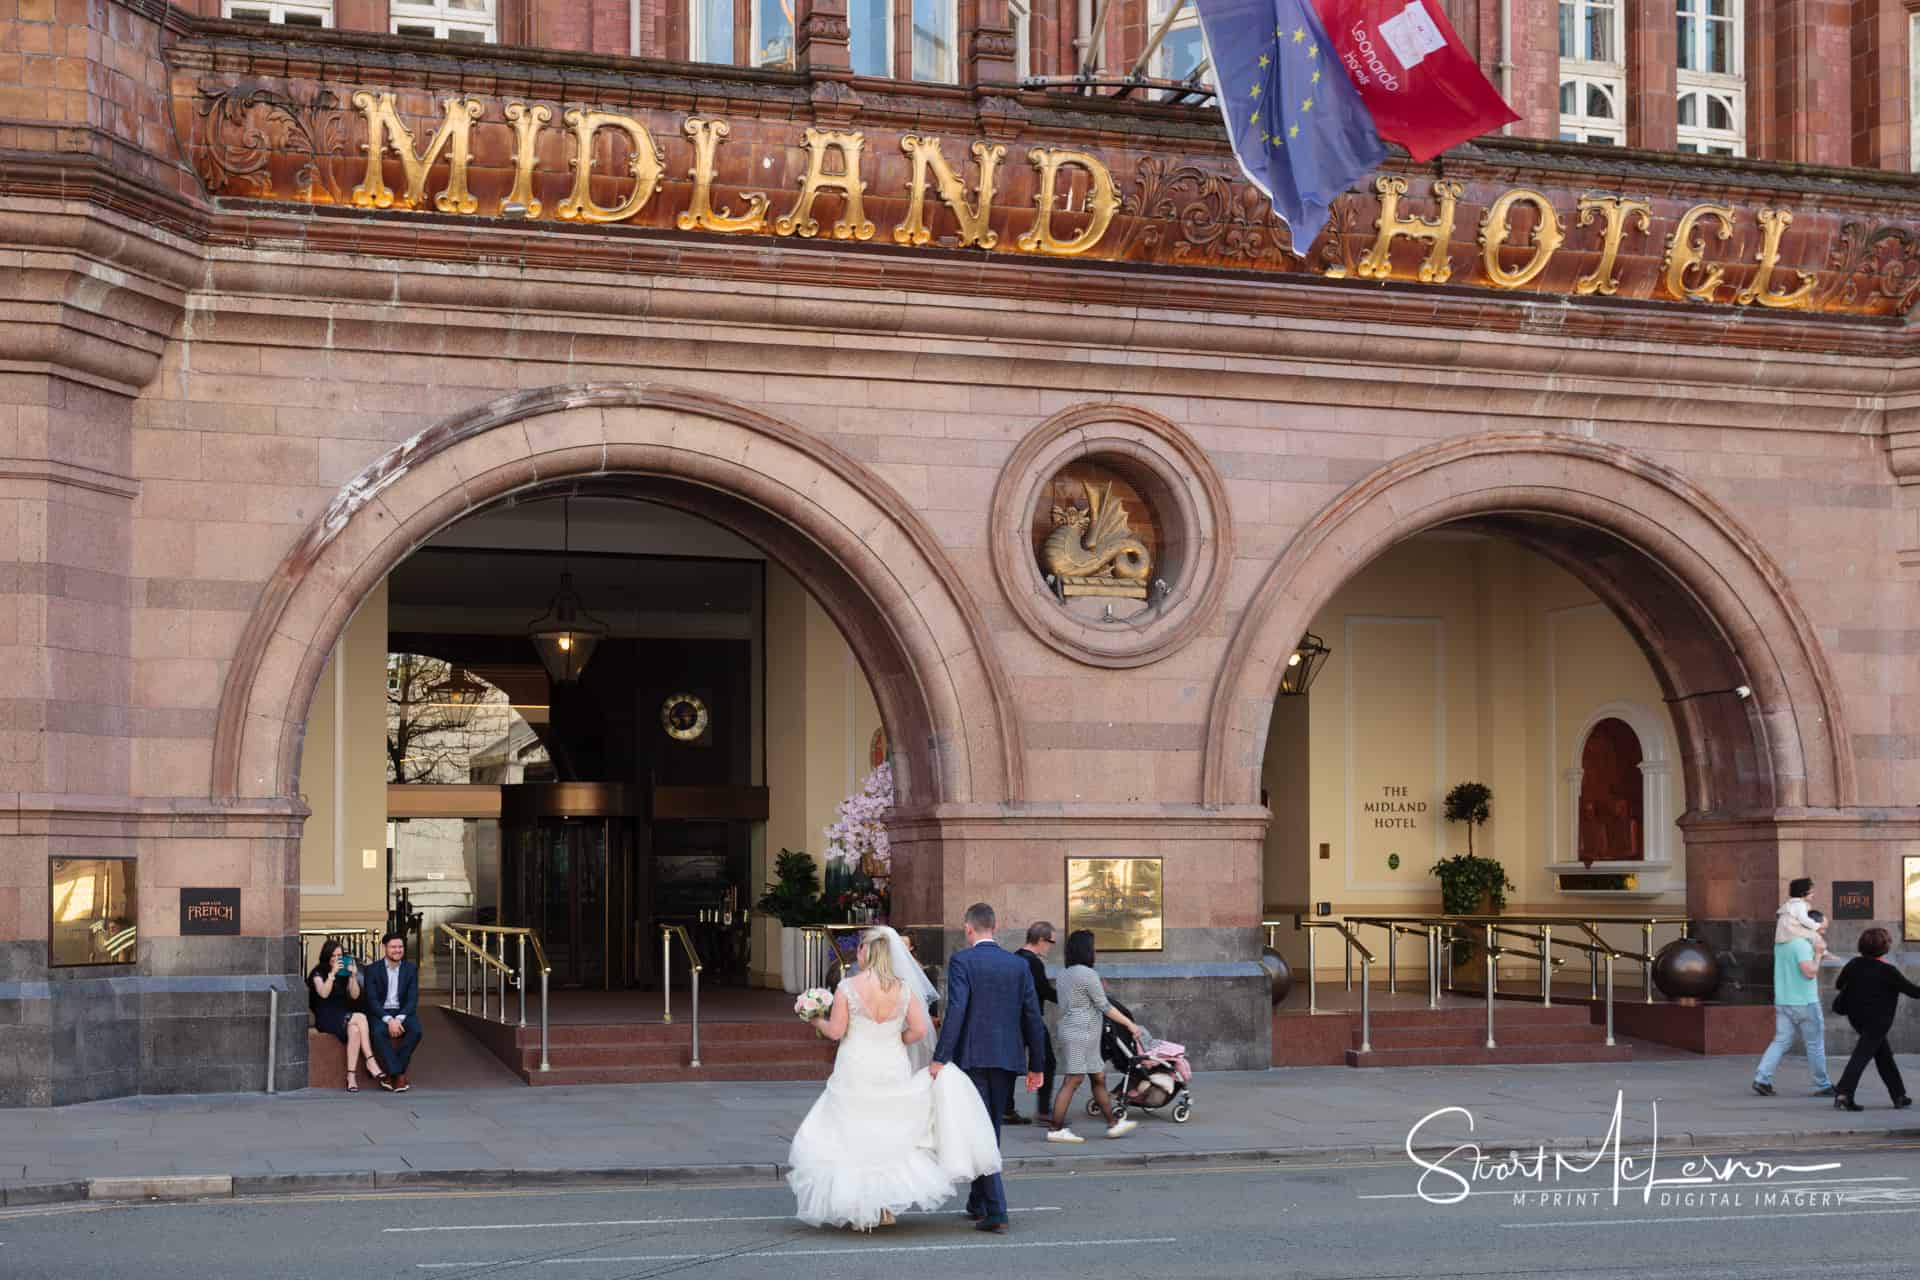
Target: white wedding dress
column 884, row 1136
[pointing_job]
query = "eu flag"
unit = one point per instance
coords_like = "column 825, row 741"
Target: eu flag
column 1297, row 124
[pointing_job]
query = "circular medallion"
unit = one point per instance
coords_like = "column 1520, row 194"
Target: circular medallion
column 1393, row 862
column 684, row 717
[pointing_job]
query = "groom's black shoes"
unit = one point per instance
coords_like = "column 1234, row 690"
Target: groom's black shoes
column 998, row 1226
column 1014, row 1117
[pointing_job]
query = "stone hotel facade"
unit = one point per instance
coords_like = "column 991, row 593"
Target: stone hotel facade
column 1026, row 388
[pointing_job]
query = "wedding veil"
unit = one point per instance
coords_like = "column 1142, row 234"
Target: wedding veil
column 908, row 970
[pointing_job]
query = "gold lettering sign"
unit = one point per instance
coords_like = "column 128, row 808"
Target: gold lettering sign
column 1773, row 222
column 852, row 223
column 1547, row 237
column 384, row 128
column 1157, row 227
column 973, row 219
column 1102, row 203
column 527, row 123
column 1377, row 262
column 1614, row 211
column 700, row 214
column 643, row 166
column 1684, row 254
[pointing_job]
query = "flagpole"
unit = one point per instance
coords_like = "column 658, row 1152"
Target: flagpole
column 1160, row 33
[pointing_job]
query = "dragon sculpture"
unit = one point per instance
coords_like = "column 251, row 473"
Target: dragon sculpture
column 1093, row 552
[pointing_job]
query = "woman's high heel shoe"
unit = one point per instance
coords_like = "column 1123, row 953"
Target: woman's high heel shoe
column 353, row 1085
column 1842, row 1102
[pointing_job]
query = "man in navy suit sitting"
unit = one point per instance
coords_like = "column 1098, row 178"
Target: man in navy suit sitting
column 393, row 1007
column 992, row 1030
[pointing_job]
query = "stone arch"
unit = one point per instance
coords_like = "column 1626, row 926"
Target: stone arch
column 868, row 558
column 1705, row 602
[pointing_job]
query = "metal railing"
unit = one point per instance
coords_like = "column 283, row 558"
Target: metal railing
column 819, row 952
column 668, row 932
column 471, row 943
column 1353, row 944
column 1442, row 931
column 361, row 944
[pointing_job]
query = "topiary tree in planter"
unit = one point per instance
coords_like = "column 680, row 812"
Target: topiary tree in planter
column 794, row 899
column 1471, row 803
column 1469, row 883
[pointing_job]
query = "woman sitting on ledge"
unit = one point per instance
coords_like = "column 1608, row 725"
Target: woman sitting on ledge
column 334, row 996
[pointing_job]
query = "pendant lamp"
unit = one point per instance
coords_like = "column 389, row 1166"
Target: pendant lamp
column 1303, row 664
column 566, row 635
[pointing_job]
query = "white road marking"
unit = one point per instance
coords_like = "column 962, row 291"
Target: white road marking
column 1743, row 1216
column 1572, row 1190
column 723, row 1255
column 661, row 1222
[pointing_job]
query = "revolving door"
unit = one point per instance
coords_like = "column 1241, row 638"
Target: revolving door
column 566, row 870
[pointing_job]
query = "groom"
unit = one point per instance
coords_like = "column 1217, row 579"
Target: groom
column 992, row 1012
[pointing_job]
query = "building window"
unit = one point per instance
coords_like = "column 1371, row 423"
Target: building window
column 1593, row 79
column 1712, row 90
column 935, row 55
column 710, row 30
column 295, row 13
column 1913, row 92
column 462, row 21
column 1182, row 49
column 1020, row 14
column 772, row 35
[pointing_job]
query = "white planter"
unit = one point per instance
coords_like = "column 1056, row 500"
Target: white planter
column 790, row 955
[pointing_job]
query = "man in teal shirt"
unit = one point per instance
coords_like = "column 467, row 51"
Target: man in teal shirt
column 1796, row 1012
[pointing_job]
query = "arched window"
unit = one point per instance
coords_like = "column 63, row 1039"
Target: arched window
column 1612, row 812
column 1593, row 72
column 1711, row 85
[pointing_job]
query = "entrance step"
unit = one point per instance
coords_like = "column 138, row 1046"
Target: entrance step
column 1452, row 1036
column 1507, row 1054
column 655, row 1052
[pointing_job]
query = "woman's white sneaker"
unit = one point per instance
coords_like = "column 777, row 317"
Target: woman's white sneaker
column 1122, row 1129
column 1063, row 1135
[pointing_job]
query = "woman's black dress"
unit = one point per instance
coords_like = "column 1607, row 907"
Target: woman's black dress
column 330, row 1014
column 1873, row 989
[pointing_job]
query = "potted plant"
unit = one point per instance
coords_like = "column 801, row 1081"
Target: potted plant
column 1470, row 885
column 794, row 899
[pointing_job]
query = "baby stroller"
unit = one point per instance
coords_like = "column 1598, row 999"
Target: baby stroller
column 1154, row 1073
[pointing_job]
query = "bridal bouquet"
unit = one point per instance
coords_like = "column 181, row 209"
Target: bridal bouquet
column 814, row 1002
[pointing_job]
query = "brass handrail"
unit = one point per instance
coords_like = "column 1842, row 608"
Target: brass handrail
column 668, row 932
column 1309, row 924
column 1537, row 929
column 466, row 947
column 370, row 938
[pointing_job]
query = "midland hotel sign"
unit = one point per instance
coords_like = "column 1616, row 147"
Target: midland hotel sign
column 273, row 140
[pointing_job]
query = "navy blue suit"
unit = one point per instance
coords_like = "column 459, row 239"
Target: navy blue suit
column 993, row 1032
column 394, row 1054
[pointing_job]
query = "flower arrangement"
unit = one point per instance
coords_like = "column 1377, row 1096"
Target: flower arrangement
column 814, row 1002
column 863, row 904
column 858, row 837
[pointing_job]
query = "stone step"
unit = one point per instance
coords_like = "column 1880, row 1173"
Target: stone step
column 678, row 1032
column 1506, row 1013
column 774, row 1070
column 1504, row 1055
column 1476, row 1036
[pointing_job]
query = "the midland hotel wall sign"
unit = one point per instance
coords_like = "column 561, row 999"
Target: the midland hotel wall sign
column 307, row 142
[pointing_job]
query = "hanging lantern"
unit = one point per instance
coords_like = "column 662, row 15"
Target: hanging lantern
column 566, row 635
column 457, row 698
column 1303, row 664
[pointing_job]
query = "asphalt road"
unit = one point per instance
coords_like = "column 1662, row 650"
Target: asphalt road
column 1858, row 1219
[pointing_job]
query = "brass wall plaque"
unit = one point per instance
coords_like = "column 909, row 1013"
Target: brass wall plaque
column 94, row 907
column 1123, row 900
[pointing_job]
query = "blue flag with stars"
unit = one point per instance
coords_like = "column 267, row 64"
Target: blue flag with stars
column 1297, row 124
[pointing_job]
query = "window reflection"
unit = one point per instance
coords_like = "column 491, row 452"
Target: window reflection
column 94, row 906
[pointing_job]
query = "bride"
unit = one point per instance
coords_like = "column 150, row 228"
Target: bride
column 885, row 1136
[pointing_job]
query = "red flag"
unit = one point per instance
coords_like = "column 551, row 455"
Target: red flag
column 1419, row 82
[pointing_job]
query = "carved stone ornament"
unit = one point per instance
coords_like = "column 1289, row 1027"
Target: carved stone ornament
column 1137, row 571
column 997, row 43
column 1875, row 269
column 1213, row 215
column 1093, row 552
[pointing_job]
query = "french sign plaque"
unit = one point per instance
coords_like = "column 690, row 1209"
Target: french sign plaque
column 205, row 912
column 1853, row 899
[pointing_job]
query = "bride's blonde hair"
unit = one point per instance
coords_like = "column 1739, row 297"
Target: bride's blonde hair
column 876, row 958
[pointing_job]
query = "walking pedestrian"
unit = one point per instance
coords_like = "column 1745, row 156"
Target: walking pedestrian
column 1870, row 991
column 1083, row 1003
column 1796, row 1014
column 1039, row 942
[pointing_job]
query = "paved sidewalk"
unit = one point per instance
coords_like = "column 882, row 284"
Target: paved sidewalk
column 254, row 1144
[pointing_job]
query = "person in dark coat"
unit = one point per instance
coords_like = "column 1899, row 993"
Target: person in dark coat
column 1039, row 942
column 333, row 996
column 1870, row 990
